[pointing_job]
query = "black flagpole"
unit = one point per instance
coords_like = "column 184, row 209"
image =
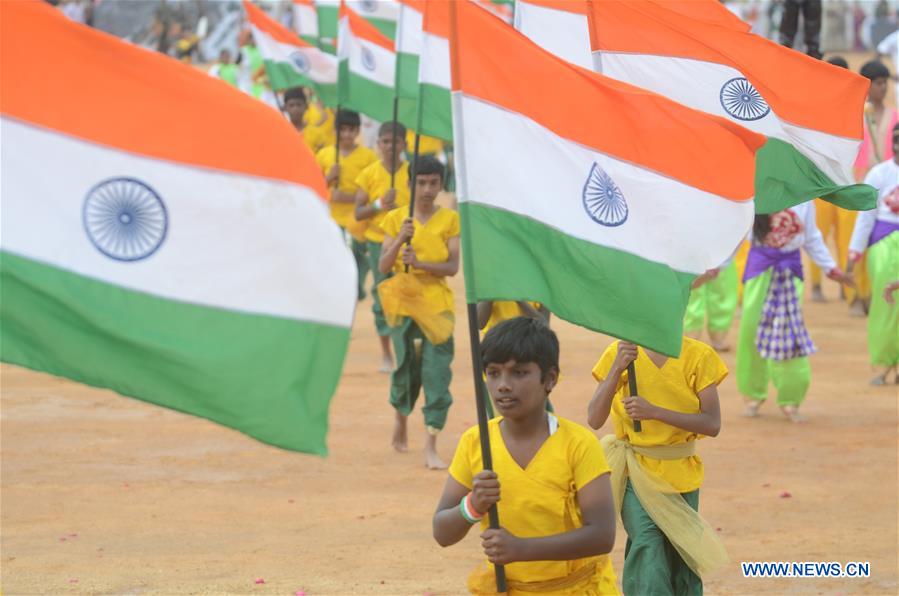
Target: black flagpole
column 475, row 338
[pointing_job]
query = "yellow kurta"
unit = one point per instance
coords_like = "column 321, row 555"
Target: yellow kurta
column 426, row 145
column 350, row 167
column 541, row 500
column 430, row 246
column 313, row 138
column 674, row 386
column 375, row 181
column 325, row 130
column 503, row 310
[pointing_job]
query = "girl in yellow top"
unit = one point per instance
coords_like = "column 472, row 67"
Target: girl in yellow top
column 341, row 179
column 432, row 256
column 375, row 198
column 556, row 511
column 656, row 474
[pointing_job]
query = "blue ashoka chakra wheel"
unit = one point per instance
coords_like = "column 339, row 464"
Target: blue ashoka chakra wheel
column 125, row 219
column 300, row 62
column 369, row 6
column 741, row 100
column 368, row 58
column 603, row 200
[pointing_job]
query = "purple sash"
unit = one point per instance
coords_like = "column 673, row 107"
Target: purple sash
column 762, row 258
column 881, row 230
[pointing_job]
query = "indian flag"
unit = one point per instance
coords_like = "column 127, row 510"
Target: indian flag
column 605, row 220
column 290, row 61
column 408, row 51
column 305, row 20
column 327, row 11
column 367, row 67
column 185, row 257
column 810, row 111
column 561, row 26
column 434, row 71
column 383, row 14
column 408, row 47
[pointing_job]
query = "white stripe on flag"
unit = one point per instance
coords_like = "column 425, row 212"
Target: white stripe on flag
column 230, row 237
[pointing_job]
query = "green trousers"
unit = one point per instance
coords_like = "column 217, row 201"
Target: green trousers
column 421, row 364
column 374, row 255
column 713, row 303
column 652, row 566
column 791, row 378
column 360, row 253
column 883, row 318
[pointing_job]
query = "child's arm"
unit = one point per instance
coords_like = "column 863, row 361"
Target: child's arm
column 363, row 209
column 595, row 537
column 484, row 309
column 707, row 422
column 447, row 268
column 449, row 525
column 601, row 404
column 392, row 246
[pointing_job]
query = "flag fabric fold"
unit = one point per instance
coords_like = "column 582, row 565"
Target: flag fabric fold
column 605, row 220
column 289, row 60
column 179, row 257
column 810, row 111
column 367, row 65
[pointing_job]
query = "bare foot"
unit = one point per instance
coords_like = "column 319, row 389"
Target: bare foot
column 857, row 308
column 432, row 460
column 386, row 365
column 752, row 408
column 879, row 380
column 817, row 294
column 792, row 414
column 400, row 439
column 718, row 340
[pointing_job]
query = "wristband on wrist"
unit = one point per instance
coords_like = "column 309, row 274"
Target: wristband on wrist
column 377, row 204
column 468, row 511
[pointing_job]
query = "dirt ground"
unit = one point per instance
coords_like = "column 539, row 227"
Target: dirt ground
column 104, row 494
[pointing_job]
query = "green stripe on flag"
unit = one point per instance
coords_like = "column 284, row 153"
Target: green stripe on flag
column 283, row 76
column 512, row 257
column 407, row 75
column 785, row 177
column 269, row 377
column 437, row 112
column 363, row 95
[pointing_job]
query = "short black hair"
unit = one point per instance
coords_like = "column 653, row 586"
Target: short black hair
column 388, row 128
column 427, row 164
column 838, row 61
column 523, row 340
column 875, row 69
column 295, row 93
column 348, row 118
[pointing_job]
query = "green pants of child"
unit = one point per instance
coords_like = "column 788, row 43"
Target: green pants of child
column 713, row 303
column 791, row 378
column 652, row 566
column 360, row 253
column 427, row 367
column 374, row 255
column 883, row 319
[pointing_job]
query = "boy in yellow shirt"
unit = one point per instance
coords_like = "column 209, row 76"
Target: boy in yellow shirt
column 557, row 514
column 322, row 118
column 295, row 106
column 341, row 179
column 432, row 255
column 656, row 474
column 375, row 198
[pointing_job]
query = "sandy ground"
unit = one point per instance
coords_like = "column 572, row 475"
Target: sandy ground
column 104, row 494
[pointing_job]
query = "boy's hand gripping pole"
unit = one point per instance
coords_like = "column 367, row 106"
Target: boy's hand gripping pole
column 632, row 389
